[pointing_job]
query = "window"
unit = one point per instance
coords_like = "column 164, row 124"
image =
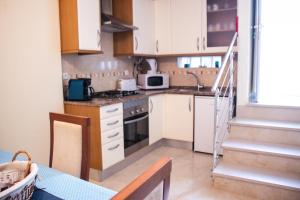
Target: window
column 276, row 40
column 199, row 61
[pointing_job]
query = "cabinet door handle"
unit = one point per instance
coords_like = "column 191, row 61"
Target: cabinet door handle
column 113, row 148
column 113, row 123
column 113, row 110
column 136, row 43
column 198, row 43
column 99, row 38
column 151, row 106
column 156, row 46
column 190, row 105
column 204, row 41
column 114, row 135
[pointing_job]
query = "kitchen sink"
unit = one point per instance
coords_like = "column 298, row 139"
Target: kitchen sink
column 193, row 89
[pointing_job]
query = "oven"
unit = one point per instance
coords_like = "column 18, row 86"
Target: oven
column 136, row 125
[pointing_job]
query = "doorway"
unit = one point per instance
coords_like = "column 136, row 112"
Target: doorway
column 276, row 55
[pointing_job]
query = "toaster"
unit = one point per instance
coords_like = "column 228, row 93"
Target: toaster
column 126, row 84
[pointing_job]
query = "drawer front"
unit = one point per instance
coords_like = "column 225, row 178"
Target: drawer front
column 111, row 110
column 109, row 136
column 111, row 123
column 112, row 153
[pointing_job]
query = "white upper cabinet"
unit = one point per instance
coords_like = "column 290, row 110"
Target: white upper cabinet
column 89, row 24
column 179, row 117
column 175, row 27
column 143, row 18
column 186, row 26
column 80, row 23
column 163, row 27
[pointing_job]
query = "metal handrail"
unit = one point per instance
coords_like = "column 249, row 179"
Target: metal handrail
column 220, row 94
column 230, row 48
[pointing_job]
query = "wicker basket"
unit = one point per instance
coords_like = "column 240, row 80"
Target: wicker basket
column 18, row 177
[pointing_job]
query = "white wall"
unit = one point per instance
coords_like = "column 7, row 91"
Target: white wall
column 244, row 61
column 30, row 74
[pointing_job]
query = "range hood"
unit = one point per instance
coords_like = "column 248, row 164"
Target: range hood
column 111, row 24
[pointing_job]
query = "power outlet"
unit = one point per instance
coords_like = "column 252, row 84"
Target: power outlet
column 66, row 76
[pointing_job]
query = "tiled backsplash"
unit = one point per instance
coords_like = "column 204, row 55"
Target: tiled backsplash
column 179, row 76
column 104, row 69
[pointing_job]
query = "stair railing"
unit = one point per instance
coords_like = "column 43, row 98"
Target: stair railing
column 223, row 88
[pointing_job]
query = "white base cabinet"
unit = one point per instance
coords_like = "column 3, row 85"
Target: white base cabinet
column 171, row 116
column 204, row 123
column 112, row 135
column 156, row 118
column 179, row 118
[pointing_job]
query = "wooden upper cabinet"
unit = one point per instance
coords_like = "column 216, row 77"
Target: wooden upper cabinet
column 80, row 26
column 139, row 13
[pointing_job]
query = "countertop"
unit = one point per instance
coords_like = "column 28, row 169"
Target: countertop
column 206, row 91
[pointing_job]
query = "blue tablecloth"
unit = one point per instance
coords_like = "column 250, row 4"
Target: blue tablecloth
column 65, row 186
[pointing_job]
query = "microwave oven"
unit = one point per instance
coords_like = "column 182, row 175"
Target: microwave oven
column 153, row 81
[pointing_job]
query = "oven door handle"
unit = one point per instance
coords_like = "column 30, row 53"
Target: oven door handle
column 136, row 120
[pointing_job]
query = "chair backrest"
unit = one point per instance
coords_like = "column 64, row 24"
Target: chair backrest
column 70, row 144
column 144, row 184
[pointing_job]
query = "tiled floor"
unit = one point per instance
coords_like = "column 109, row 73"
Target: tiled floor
column 190, row 178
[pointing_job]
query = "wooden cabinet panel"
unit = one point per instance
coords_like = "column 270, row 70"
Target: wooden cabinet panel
column 139, row 13
column 179, row 118
column 123, row 41
column 156, row 118
column 93, row 113
column 80, row 26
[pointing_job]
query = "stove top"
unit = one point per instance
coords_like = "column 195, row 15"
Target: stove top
column 113, row 94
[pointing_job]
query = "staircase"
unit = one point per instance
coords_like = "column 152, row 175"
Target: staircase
column 261, row 152
column 261, row 155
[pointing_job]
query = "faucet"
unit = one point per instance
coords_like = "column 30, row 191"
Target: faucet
column 197, row 78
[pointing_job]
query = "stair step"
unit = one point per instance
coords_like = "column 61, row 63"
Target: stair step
column 288, row 181
column 283, row 125
column 264, row 112
column 262, row 148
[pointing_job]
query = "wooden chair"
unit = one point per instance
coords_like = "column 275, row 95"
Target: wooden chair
column 143, row 185
column 70, row 144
